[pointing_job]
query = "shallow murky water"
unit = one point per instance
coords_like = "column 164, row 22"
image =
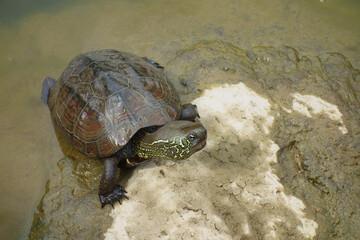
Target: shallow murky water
column 39, row 40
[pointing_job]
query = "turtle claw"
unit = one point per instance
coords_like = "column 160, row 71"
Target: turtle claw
column 117, row 193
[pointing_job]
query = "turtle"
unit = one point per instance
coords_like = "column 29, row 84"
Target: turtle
column 122, row 109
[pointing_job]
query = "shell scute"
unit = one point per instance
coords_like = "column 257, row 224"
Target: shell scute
column 92, row 149
column 105, row 147
column 89, row 73
column 78, row 65
column 91, row 124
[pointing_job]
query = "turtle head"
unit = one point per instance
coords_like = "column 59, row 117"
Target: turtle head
column 175, row 140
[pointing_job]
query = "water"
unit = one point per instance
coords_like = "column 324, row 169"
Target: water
column 40, row 38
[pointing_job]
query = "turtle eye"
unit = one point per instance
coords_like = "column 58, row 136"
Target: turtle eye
column 192, row 137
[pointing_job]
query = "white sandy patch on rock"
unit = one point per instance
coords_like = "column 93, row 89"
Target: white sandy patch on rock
column 192, row 199
column 312, row 105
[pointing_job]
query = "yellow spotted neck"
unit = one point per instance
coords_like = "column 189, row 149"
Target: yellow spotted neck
column 145, row 147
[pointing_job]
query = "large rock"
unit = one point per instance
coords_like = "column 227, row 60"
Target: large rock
column 280, row 163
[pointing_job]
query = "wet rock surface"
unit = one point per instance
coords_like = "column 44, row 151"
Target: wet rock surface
column 70, row 208
column 282, row 159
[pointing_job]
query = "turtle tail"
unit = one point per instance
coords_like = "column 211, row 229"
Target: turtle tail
column 46, row 88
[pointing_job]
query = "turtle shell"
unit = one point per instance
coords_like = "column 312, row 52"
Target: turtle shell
column 104, row 97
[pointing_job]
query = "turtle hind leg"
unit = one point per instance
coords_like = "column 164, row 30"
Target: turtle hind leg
column 109, row 191
column 189, row 112
column 153, row 63
column 47, row 85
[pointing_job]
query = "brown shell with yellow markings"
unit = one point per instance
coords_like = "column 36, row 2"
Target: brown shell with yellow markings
column 104, row 97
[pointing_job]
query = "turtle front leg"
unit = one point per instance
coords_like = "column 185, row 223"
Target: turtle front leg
column 189, row 112
column 109, row 190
